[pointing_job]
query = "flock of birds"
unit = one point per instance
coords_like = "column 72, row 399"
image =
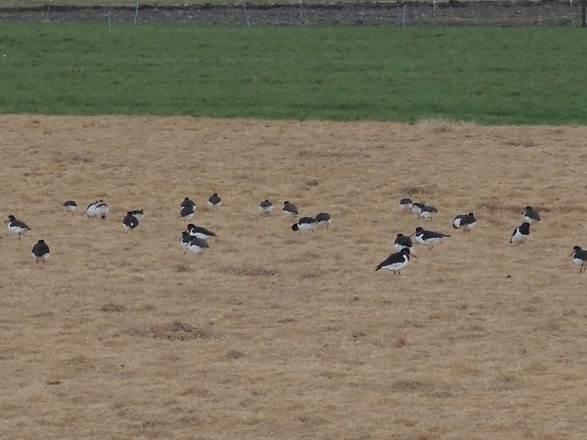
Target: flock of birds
column 195, row 239
column 465, row 222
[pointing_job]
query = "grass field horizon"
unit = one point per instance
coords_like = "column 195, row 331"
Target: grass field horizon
column 526, row 76
column 276, row 335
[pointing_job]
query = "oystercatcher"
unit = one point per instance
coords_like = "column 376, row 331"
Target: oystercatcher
column 417, row 207
column 187, row 212
column 402, row 242
column 41, row 251
column 429, row 238
column 531, row 215
column 265, row 207
column 304, row 224
column 215, row 201
column 199, row 232
column 579, row 258
column 16, row 227
column 323, row 219
column 395, row 262
column 464, row 222
column 69, row 207
column 130, row 222
column 290, row 209
column 521, row 233
column 426, row 212
column 405, row 204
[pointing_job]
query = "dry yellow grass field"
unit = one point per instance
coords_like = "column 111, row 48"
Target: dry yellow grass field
column 276, row 335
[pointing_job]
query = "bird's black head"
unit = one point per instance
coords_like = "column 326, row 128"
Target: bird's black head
column 11, row 217
column 405, row 251
column 295, row 227
column 471, row 214
column 528, row 208
column 577, row 249
column 41, row 241
column 185, row 234
column 190, row 226
column 286, row 202
column 524, row 228
column 419, row 229
column 215, row 195
column 400, row 235
column 128, row 212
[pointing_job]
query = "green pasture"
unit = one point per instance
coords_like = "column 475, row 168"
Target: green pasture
column 517, row 76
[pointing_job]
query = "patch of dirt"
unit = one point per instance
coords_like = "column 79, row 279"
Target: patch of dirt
column 172, row 331
column 451, row 13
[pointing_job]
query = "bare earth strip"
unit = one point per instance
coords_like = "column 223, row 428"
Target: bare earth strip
column 313, row 13
column 277, row 335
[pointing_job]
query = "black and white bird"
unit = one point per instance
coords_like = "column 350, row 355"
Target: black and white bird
column 304, row 224
column 427, row 212
column 130, row 222
column 531, row 215
column 184, row 241
column 215, row 201
column 138, row 213
column 41, row 251
column 16, row 227
column 98, row 209
column 187, row 202
column 521, row 233
column 187, row 212
column 265, row 207
column 429, row 238
column 197, row 246
column 323, row 219
column 402, row 242
column 579, row 258
column 199, row 232
column 290, row 209
column 464, row 222
column 405, row 204
column 417, row 207
column 69, row 207
column 102, row 209
column 395, row 262
column 91, row 209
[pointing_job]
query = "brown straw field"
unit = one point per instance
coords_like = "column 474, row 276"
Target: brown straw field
column 277, row 335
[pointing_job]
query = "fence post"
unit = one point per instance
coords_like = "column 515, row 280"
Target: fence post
column 583, row 4
column 137, row 12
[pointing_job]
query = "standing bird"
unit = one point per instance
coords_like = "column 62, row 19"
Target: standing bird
column 521, row 233
column 187, row 202
column 426, row 212
column 69, row 207
column 429, row 238
column 323, row 219
column 305, row 224
column 395, row 262
column 187, row 212
column 266, row 207
column 199, row 232
column 531, row 215
column 130, row 222
column 290, row 209
column 41, row 251
column 579, row 258
column 464, row 222
column 402, row 242
column 405, row 204
column 215, row 201
column 16, row 227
